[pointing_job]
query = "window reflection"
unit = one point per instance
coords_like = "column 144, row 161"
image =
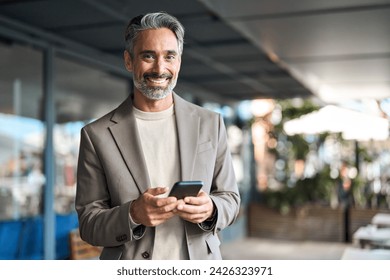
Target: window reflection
column 82, row 94
column 21, row 176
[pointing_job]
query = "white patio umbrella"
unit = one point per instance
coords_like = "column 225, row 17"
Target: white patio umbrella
column 352, row 124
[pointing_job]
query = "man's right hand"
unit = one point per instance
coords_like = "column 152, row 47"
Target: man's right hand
column 151, row 210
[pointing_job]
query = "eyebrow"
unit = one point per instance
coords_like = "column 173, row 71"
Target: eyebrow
column 172, row 52
column 153, row 52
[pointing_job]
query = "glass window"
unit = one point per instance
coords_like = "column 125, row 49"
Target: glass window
column 82, row 95
column 21, row 131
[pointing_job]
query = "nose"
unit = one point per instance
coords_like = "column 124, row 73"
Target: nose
column 159, row 65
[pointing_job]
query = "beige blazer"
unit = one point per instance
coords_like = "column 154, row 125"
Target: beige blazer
column 112, row 173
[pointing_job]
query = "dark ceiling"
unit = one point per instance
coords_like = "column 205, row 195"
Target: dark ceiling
column 339, row 49
column 217, row 59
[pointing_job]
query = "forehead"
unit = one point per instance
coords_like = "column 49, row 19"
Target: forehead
column 161, row 39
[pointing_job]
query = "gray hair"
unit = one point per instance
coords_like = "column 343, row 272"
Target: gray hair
column 153, row 21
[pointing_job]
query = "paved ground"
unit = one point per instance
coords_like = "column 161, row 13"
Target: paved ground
column 267, row 249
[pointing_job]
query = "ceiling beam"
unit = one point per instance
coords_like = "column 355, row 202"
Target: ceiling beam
column 22, row 32
column 305, row 13
column 195, row 52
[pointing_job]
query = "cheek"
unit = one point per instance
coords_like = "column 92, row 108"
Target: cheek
column 176, row 69
column 139, row 71
column 178, row 66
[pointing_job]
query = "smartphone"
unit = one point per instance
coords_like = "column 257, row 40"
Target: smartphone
column 183, row 189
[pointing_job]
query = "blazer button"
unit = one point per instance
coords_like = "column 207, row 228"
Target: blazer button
column 121, row 238
column 145, row 255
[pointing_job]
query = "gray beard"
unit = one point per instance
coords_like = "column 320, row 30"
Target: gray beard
column 154, row 93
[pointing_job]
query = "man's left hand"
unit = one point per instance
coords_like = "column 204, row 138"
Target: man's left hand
column 195, row 209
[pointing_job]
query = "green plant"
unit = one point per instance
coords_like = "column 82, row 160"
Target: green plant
column 317, row 189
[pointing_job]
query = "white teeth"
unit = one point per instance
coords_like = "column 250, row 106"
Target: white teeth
column 158, row 81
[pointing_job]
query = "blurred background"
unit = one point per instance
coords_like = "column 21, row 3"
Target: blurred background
column 303, row 87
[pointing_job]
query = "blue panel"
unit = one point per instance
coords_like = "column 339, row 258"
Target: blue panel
column 23, row 239
column 31, row 247
column 64, row 225
column 9, row 239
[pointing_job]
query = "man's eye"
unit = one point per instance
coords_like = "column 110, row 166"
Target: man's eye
column 148, row 56
column 170, row 57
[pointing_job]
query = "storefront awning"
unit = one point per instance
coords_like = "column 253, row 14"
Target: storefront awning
column 351, row 124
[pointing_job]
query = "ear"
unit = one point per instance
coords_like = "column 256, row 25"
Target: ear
column 128, row 61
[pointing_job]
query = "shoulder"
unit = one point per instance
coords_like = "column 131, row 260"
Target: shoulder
column 192, row 108
column 99, row 123
column 109, row 118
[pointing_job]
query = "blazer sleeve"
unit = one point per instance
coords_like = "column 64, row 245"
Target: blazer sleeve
column 100, row 224
column 224, row 190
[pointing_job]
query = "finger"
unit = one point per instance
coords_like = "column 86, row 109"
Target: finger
column 157, row 191
column 202, row 198
column 194, row 218
column 167, row 201
column 157, row 219
column 192, row 209
column 179, row 206
column 166, row 207
column 152, row 198
column 162, row 216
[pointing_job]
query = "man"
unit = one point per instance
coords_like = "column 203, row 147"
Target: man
column 130, row 158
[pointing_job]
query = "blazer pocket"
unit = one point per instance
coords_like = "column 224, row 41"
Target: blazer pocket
column 213, row 244
column 204, row 147
column 112, row 253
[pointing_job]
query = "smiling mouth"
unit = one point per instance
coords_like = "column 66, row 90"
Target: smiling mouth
column 157, row 79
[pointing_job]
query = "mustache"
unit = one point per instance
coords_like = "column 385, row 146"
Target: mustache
column 157, row 76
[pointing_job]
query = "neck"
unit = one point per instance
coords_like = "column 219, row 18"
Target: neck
column 149, row 105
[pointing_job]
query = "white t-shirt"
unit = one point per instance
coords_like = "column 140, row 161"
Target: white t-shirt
column 160, row 147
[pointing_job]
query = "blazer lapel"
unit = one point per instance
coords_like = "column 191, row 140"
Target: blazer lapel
column 187, row 122
column 125, row 134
